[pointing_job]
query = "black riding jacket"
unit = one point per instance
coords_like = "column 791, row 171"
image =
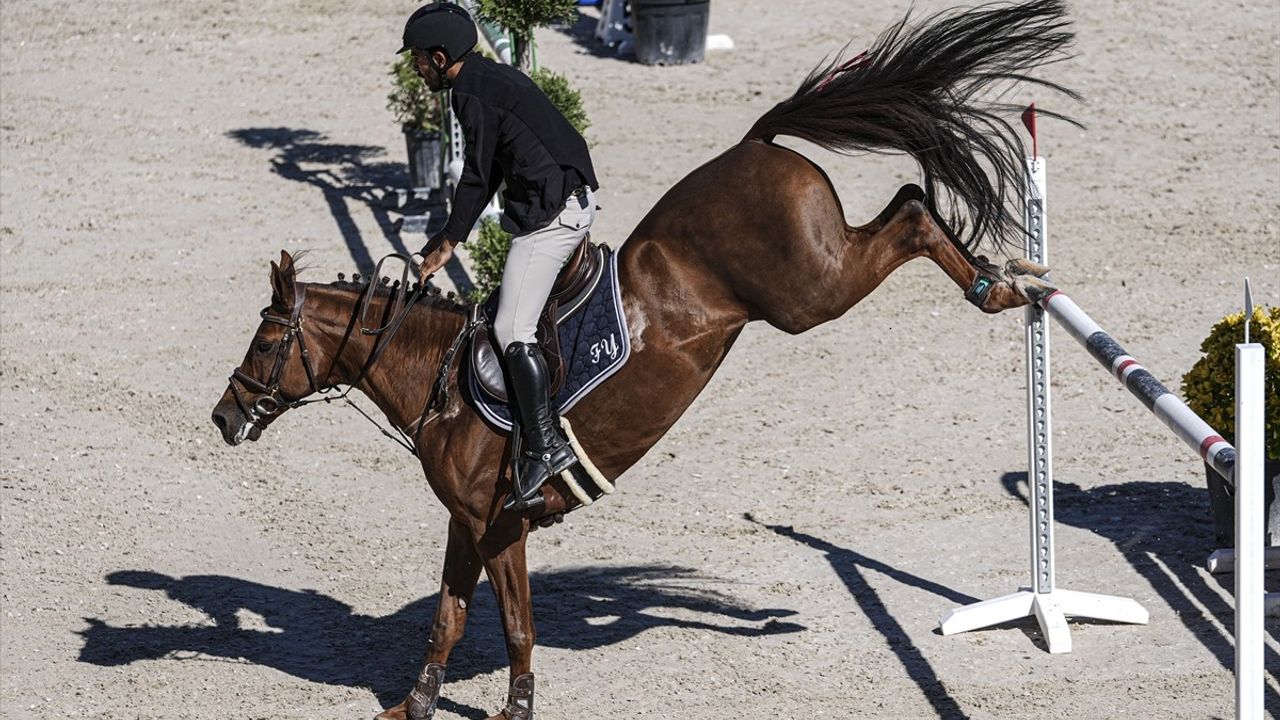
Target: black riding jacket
column 513, row 133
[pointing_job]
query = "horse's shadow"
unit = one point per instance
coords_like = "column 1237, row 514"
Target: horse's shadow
column 343, row 173
column 319, row 638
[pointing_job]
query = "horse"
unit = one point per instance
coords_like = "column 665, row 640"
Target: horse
column 755, row 234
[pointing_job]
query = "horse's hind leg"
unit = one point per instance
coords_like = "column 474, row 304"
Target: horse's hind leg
column 1019, row 283
column 461, row 571
column 910, row 231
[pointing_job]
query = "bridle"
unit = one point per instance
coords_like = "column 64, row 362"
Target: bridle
column 273, row 401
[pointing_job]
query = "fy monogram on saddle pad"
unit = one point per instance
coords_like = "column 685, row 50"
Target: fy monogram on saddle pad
column 593, row 343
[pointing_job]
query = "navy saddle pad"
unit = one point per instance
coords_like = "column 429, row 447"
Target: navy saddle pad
column 593, row 342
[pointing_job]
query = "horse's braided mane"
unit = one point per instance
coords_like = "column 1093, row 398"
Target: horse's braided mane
column 432, row 298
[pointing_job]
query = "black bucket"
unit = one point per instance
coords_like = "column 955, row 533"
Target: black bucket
column 670, row 32
column 424, row 158
column 1222, row 503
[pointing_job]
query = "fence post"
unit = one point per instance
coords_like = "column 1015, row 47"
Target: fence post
column 1251, row 362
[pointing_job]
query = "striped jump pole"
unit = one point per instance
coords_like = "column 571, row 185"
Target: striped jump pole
column 1166, row 406
column 1245, row 475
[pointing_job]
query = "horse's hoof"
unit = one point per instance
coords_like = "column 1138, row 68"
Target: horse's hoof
column 1033, row 288
column 1023, row 266
column 399, row 712
column 1028, row 279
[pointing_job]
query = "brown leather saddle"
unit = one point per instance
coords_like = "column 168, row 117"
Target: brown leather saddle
column 573, row 287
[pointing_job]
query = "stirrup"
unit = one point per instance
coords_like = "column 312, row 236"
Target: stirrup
column 532, row 471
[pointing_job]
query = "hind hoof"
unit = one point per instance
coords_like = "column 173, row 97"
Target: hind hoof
column 399, row 712
column 1029, row 279
column 1033, row 289
column 1022, row 266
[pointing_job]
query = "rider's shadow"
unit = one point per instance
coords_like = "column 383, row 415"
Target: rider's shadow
column 318, row 638
column 343, row 174
column 1163, row 529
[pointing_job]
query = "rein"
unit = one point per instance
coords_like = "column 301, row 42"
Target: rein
column 274, row 402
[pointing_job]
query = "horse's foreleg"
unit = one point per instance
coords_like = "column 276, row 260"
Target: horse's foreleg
column 458, row 584
column 509, row 575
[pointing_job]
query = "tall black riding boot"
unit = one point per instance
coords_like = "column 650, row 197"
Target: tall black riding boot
column 546, row 453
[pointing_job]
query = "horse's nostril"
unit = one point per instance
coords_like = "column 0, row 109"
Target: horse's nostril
column 220, row 421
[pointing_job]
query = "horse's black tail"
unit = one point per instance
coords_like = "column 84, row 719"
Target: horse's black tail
column 916, row 90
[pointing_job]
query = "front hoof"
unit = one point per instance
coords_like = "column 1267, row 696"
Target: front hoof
column 399, row 712
column 519, row 700
column 422, row 700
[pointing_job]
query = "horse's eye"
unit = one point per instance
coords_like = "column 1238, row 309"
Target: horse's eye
column 265, row 347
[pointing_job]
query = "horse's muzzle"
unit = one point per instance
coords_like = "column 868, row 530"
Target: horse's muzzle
column 233, row 425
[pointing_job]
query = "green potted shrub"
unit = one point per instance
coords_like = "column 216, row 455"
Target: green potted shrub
column 520, row 17
column 1209, row 389
column 420, row 113
column 561, row 94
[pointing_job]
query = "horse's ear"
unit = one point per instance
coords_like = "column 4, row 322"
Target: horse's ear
column 282, row 281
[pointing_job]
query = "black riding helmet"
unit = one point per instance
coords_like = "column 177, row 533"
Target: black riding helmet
column 445, row 26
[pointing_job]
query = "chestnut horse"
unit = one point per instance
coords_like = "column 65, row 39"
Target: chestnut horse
column 755, row 234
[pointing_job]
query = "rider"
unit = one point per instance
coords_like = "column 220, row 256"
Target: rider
column 513, row 134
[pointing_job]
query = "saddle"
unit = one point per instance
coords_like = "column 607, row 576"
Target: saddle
column 573, row 287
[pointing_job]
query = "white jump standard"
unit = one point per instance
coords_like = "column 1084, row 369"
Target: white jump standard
column 1250, row 590
column 1049, row 605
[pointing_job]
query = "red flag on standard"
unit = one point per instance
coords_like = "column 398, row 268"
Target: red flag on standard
column 1029, row 119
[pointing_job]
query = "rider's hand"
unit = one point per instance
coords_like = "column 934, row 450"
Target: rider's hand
column 435, row 255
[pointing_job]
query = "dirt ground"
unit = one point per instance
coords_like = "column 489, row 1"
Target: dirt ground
column 785, row 552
